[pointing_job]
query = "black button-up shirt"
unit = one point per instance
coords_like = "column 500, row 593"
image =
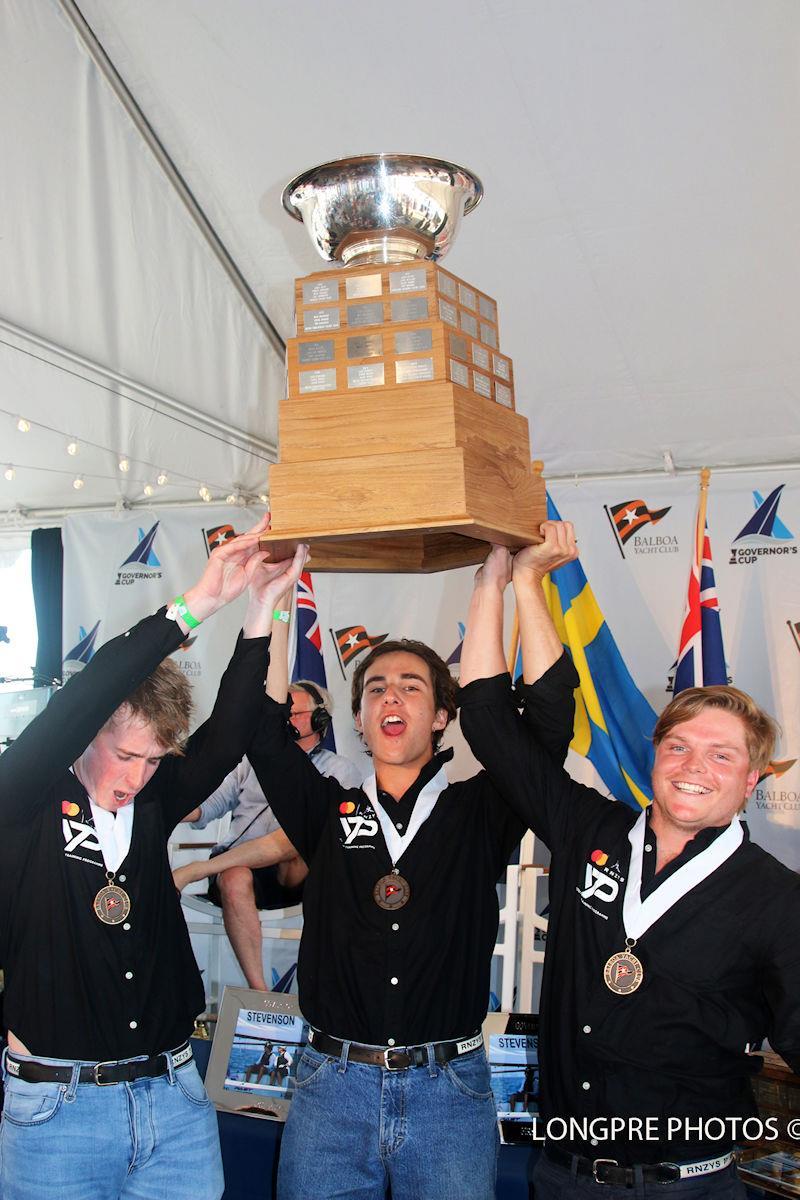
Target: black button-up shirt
column 419, row 973
column 76, row 988
column 721, row 967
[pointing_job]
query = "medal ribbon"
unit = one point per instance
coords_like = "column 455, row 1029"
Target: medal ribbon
column 426, row 801
column 639, row 915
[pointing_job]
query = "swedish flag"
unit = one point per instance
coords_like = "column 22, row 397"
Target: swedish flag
column 613, row 720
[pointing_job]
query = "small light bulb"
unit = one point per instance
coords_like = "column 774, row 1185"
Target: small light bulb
column 9, row 473
column 77, row 482
column 124, row 464
column 23, row 426
column 161, row 478
column 148, row 489
column 231, row 499
column 72, row 447
column 204, row 493
column 263, row 497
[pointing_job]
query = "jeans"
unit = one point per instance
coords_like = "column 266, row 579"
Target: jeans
column 551, row 1181
column 145, row 1140
column 353, row 1128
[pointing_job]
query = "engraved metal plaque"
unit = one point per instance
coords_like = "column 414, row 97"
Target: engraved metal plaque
column 368, row 375
column 448, row 312
column 482, row 384
column 466, row 296
column 365, row 314
column 318, row 381
column 487, row 308
column 410, row 310
column 320, row 318
column 356, row 286
column 365, row 345
column 489, row 335
column 413, row 370
column 316, row 352
column 469, row 323
column 320, row 291
column 480, row 356
column 446, row 285
column 458, row 346
column 502, row 395
column 501, row 366
column 459, row 373
column 414, row 280
column 411, row 341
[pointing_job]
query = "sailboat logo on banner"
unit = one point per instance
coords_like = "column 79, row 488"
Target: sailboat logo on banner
column 765, row 533
column 82, row 652
column 142, row 562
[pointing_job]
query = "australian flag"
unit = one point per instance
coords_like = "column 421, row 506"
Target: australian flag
column 701, row 657
column 308, row 661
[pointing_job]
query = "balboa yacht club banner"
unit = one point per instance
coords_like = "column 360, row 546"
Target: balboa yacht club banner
column 635, row 540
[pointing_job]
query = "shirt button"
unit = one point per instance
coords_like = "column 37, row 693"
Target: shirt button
column 133, row 1024
column 129, row 974
column 122, row 878
column 394, row 981
column 593, row 1142
column 399, row 824
column 395, row 926
column 390, row 1041
column 586, row 1085
column 587, row 1029
column 127, row 925
column 648, row 847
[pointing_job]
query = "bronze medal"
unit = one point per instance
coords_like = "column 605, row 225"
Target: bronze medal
column 112, row 904
column 391, row 891
column 623, row 973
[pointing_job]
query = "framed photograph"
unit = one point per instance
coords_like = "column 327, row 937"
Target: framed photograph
column 512, row 1048
column 258, row 1041
column 777, row 1174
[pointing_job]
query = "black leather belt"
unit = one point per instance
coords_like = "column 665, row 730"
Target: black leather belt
column 394, row 1058
column 103, row 1073
column 609, row 1171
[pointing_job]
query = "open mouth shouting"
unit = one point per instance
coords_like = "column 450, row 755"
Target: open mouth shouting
column 393, row 725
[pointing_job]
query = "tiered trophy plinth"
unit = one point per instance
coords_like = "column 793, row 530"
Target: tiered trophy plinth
column 400, row 449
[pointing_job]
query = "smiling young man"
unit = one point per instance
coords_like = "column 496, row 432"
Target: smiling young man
column 401, row 911
column 673, row 942
column 102, row 1097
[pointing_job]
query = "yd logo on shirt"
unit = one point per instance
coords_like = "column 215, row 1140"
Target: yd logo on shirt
column 599, row 885
column 357, row 824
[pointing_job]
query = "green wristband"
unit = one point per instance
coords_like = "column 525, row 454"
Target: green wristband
column 178, row 609
column 281, row 614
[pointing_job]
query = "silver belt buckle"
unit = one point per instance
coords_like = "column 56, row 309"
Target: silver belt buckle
column 595, row 1164
column 96, row 1068
column 392, row 1050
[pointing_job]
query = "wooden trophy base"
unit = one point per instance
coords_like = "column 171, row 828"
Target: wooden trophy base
column 357, row 472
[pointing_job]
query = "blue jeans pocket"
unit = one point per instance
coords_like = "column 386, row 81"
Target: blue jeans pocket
column 310, row 1067
column 31, row 1103
column 470, row 1075
column 188, row 1080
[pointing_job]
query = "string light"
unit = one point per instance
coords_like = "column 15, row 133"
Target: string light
column 148, row 489
column 204, row 493
column 124, row 464
column 231, row 499
column 161, row 478
column 72, row 447
column 23, row 426
column 263, row 497
column 9, row 472
column 77, row 482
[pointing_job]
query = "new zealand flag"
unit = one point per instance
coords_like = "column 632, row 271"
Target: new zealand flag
column 308, row 661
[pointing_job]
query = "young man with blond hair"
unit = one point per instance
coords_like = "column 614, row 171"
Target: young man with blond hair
column 102, row 1097
column 673, row 943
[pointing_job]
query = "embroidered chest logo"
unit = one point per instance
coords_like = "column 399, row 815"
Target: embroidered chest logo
column 358, row 821
column 78, row 834
column 600, row 882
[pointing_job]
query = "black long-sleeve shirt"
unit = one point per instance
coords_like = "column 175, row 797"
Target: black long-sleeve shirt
column 419, row 973
column 76, row 988
column 721, row 967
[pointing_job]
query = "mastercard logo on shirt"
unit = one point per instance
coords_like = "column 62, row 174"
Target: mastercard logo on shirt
column 599, row 857
column 69, row 808
column 347, row 807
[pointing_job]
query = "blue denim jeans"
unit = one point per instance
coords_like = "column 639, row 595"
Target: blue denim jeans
column 551, row 1181
column 353, row 1128
column 145, row 1140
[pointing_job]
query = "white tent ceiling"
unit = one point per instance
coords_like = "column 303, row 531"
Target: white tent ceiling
column 639, row 230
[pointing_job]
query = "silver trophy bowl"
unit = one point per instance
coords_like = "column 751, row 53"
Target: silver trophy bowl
column 382, row 208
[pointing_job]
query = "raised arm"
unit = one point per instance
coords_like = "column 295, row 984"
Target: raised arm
column 540, row 643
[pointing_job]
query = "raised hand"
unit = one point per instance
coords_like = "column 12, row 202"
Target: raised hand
column 227, row 572
column 268, row 581
column 496, row 570
column 559, row 547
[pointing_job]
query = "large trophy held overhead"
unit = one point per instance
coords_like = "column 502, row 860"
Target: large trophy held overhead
column 400, row 449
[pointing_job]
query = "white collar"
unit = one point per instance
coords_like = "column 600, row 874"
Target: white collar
column 424, row 806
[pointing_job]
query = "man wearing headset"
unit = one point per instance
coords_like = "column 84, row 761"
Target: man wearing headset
column 257, row 867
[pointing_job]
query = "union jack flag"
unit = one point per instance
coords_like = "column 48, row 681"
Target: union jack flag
column 308, row 661
column 701, row 657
